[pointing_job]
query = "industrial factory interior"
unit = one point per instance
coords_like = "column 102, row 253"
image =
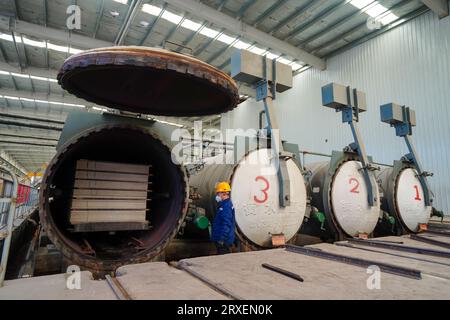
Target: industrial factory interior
column 230, row 150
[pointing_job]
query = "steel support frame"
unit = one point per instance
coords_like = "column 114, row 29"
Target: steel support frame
column 267, row 93
column 350, row 115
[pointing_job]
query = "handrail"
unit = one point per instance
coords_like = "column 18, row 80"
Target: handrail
column 9, row 228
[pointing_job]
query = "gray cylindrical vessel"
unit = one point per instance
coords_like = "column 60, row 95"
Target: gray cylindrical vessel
column 403, row 197
column 255, row 196
column 339, row 191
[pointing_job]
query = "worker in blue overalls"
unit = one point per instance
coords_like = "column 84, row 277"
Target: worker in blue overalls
column 224, row 224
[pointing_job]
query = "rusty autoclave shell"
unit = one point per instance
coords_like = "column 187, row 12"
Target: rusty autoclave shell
column 139, row 80
column 149, row 81
column 122, row 143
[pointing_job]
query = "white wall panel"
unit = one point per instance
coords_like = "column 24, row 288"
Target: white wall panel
column 408, row 65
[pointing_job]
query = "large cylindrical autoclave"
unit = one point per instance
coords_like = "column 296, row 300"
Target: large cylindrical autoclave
column 255, row 195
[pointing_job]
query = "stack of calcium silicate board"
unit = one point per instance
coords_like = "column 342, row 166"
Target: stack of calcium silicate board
column 110, row 196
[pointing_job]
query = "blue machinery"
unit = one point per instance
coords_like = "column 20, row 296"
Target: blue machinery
column 403, row 119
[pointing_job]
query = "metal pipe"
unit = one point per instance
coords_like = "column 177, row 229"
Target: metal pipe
column 329, row 156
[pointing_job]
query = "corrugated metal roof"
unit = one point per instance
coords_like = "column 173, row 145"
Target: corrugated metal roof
column 321, row 27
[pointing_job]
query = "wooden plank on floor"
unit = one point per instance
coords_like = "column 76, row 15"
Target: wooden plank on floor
column 112, row 167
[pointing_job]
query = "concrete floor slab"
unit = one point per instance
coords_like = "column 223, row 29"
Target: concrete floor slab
column 445, row 239
column 159, row 281
column 54, row 288
column 428, row 267
column 407, row 241
column 243, row 275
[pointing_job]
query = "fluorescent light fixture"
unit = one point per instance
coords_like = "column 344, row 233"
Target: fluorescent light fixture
column 172, row 17
column 150, row 9
column 208, row 32
column 21, row 75
column 33, row 43
column 43, row 79
column 75, row 51
column 6, row 37
column 226, row 39
column 11, row 98
column 40, row 44
column 242, row 45
column 100, row 109
column 169, row 123
column 285, row 61
column 45, row 101
column 375, row 9
column 57, row 47
column 272, row 56
column 191, row 25
column 361, row 3
column 121, row 1
column 387, row 19
column 296, row 66
column 257, row 50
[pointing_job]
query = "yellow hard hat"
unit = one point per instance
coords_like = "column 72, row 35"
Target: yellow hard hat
column 223, row 187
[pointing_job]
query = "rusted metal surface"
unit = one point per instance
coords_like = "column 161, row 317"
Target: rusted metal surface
column 112, row 251
column 150, row 81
